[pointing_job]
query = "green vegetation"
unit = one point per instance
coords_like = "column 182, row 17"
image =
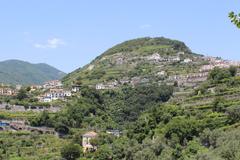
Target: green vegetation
column 130, row 59
column 71, row 151
column 17, row 115
column 157, row 121
column 154, row 129
column 218, row 74
column 147, row 44
column 19, row 72
column 26, row 97
column 106, row 110
column 235, row 19
column 29, row 146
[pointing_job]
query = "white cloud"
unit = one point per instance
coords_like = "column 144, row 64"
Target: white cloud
column 145, row 26
column 51, row 43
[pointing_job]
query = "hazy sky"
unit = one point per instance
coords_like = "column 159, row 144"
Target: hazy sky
column 70, row 33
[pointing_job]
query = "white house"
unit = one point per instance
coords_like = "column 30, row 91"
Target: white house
column 55, row 94
column 161, row 73
column 108, row 85
column 67, row 93
column 180, row 53
column 100, row 86
column 155, row 57
column 187, row 60
column 76, row 88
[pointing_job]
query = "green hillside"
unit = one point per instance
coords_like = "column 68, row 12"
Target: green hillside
column 176, row 112
column 135, row 58
column 158, row 122
column 20, row 72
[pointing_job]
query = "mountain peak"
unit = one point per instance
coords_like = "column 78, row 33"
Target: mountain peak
column 21, row 72
column 142, row 58
column 147, row 43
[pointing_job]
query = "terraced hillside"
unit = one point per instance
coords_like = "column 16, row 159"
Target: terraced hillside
column 145, row 99
column 227, row 91
column 201, row 123
column 151, row 58
column 217, row 99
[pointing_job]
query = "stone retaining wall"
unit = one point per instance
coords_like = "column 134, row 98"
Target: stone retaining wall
column 19, row 108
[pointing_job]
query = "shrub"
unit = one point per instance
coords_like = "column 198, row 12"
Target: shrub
column 71, row 151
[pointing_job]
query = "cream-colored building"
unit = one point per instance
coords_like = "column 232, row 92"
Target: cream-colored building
column 6, row 91
column 86, row 141
column 52, row 84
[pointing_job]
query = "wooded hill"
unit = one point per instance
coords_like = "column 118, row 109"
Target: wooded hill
column 20, row 72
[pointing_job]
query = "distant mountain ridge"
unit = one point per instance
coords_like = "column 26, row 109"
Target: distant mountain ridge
column 21, row 72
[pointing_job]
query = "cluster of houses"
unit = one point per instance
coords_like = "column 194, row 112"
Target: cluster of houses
column 115, row 84
column 189, row 79
column 55, row 94
column 35, row 87
column 108, row 85
column 157, row 58
column 194, row 78
column 47, row 85
column 52, row 84
column 54, row 91
column 7, row 91
column 217, row 62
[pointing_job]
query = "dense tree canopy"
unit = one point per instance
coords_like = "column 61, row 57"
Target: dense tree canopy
column 219, row 74
column 71, row 151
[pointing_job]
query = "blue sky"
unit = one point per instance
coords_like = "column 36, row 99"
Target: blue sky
column 70, row 33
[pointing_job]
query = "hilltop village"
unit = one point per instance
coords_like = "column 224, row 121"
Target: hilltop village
column 181, row 80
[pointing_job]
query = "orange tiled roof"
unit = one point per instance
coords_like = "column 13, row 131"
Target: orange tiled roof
column 90, row 134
